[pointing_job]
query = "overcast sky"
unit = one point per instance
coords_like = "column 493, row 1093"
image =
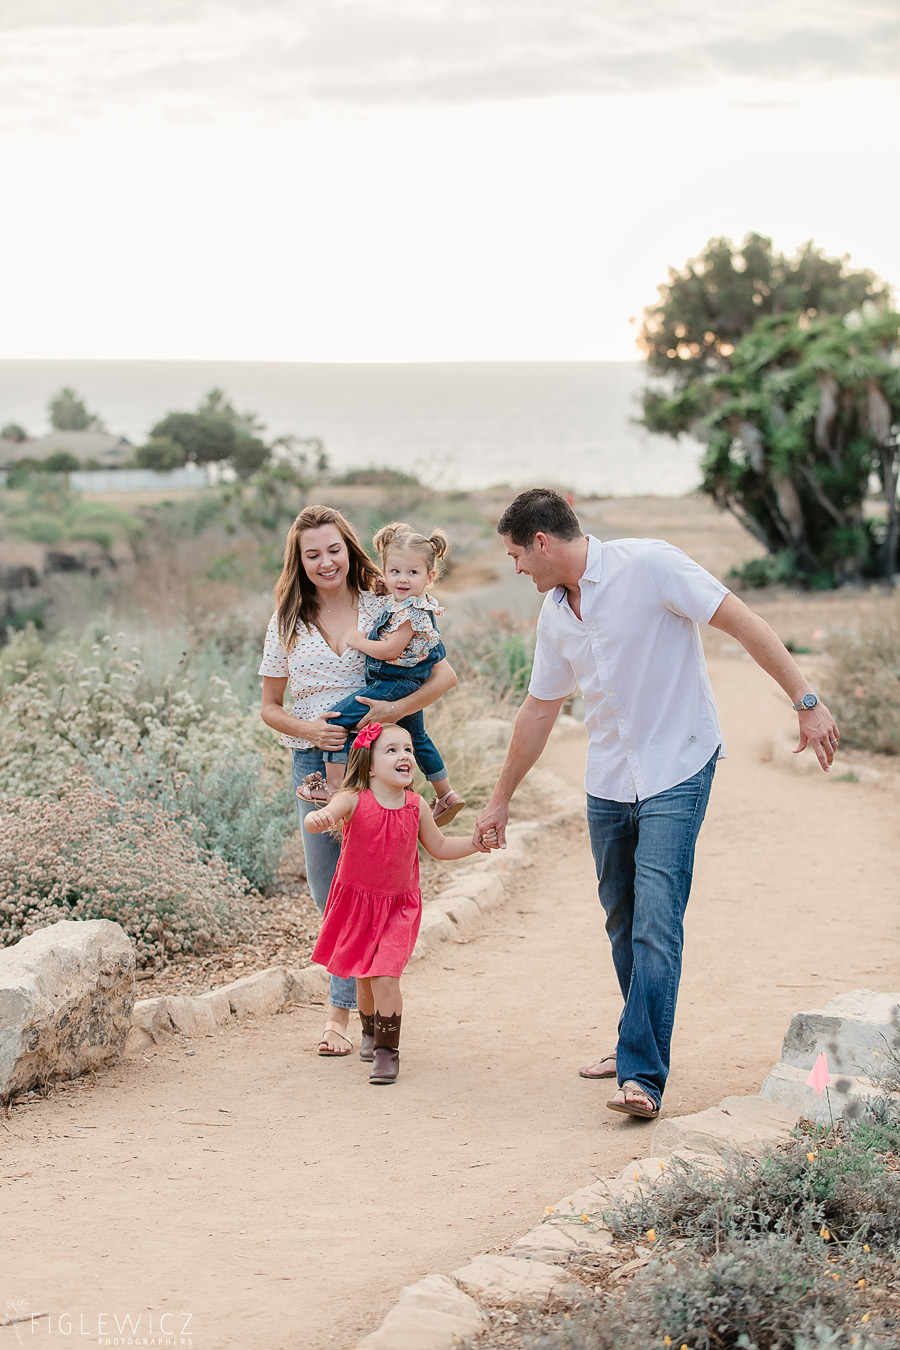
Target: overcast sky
column 439, row 179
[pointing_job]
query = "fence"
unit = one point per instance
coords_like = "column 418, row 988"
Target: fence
column 137, row 480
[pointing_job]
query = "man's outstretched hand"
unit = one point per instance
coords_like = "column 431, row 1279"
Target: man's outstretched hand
column 490, row 827
column 818, row 729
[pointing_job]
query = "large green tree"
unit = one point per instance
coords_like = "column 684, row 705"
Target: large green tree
column 731, row 323
column 68, row 412
column 804, row 422
column 216, row 432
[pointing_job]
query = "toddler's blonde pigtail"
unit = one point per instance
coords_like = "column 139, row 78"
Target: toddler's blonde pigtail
column 389, row 535
column 440, row 543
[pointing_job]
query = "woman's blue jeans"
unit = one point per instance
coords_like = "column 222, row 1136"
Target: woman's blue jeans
column 321, row 852
column 644, row 855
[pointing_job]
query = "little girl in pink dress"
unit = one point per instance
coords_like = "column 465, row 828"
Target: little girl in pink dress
column 375, row 905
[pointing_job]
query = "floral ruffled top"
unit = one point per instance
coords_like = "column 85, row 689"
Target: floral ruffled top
column 417, row 610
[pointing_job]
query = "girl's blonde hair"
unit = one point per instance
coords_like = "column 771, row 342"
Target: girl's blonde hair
column 296, row 599
column 398, row 537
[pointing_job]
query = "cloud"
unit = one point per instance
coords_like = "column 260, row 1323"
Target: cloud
column 262, row 59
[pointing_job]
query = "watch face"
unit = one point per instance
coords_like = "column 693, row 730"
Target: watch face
column 809, row 700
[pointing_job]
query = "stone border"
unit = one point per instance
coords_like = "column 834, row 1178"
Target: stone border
column 439, row 1311
column 477, row 884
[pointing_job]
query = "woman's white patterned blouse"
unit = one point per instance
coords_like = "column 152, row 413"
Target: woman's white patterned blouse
column 317, row 677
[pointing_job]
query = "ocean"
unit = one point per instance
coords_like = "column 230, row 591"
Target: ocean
column 568, row 424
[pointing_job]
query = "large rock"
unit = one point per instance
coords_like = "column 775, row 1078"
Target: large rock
column 66, row 998
column 736, row 1125
column 859, row 1034
column 431, row 1315
column 501, row 1281
column 845, row 1097
column 854, row 1030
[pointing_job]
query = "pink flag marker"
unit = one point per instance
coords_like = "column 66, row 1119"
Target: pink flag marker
column 820, row 1077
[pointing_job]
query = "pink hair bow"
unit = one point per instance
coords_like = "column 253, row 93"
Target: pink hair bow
column 364, row 738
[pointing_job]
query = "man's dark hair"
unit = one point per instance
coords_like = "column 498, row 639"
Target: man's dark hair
column 538, row 511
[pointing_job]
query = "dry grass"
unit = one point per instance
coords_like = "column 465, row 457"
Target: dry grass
column 864, row 682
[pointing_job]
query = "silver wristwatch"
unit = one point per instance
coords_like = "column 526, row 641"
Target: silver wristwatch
column 807, row 702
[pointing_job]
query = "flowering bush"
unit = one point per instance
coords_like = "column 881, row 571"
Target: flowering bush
column 164, row 725
column 78, row 853
column 138, row 787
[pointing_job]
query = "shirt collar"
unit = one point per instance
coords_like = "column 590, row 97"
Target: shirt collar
column 592, row 568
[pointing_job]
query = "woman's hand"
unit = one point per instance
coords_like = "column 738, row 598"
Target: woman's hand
column 379, row 710
column 323, row 735
column 441, row 679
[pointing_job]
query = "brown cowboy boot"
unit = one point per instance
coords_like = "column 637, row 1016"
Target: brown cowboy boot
column 367, row 1045
column 386, row 1065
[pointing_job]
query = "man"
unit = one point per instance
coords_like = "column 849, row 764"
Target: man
column 621, row 620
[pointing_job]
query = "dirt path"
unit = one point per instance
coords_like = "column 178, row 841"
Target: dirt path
column 282, row 1201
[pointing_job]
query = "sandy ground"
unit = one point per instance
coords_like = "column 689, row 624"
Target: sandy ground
column 275, row 1199
column 282, row 1201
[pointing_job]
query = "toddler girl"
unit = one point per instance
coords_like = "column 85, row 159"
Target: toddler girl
column 401, row 651
column 375, row 906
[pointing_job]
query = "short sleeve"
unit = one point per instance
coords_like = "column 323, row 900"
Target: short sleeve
column 684, row 586
column 275, row 658
column 419, row 618
column 552, row 675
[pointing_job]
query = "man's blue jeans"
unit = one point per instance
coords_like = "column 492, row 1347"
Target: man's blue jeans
column 321, row 852
column 644, row 855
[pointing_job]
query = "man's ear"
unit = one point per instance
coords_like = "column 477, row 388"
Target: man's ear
column 540, row 542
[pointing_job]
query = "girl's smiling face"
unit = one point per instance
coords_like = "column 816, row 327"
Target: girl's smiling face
column 406, row 573
column 393, row 763
column 325, row 558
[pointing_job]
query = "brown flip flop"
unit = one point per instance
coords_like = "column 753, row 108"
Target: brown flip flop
column 632, row 1108
column 325, row 1049
column 606, row 1073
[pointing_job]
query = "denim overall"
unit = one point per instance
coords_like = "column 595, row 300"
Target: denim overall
column 390, row 682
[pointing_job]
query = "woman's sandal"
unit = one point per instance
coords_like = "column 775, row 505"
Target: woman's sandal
column 634, row 1108
column 315, row 789
column 327, row 1051
column 447, row 808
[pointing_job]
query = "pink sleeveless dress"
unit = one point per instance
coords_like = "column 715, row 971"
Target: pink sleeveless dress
column 375, row 905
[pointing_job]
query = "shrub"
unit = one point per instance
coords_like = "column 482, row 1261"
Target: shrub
column 498, row 654
column 761, row 1296
column 375, row 477
column 842, row 1185
column 863, row 687
column 471, row 727
column 224, row 806
column 78, row 853
column 160, row 453
column 165, row 728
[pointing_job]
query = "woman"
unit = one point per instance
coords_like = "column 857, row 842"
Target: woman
column 325, row 593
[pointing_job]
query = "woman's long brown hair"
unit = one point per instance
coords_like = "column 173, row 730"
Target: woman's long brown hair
column 296, row 598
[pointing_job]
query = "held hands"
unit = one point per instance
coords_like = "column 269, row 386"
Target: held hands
column 490, row 827
column 818, row 729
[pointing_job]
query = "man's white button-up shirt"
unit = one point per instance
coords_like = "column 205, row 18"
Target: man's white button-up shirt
column 636, row 655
